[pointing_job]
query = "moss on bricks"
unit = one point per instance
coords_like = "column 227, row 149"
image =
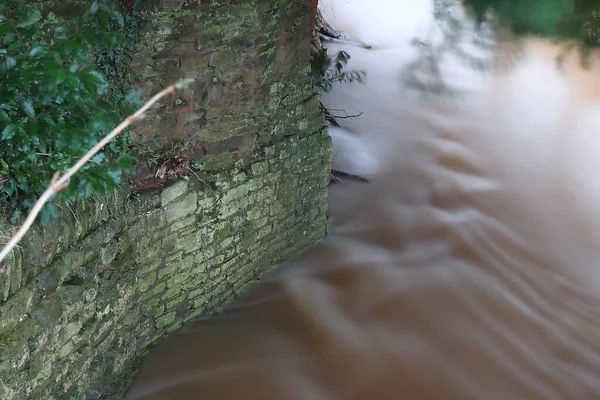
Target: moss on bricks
column 174, row 191
column 181, row 208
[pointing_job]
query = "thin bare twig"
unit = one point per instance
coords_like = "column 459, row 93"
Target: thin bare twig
column 58, row 182
column 330, row 117
column 343, row 116
column 197, row 176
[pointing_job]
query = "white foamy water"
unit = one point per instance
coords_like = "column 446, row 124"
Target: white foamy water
column 466, row 268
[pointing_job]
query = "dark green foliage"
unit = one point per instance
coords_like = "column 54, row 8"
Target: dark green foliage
column 113, row 62
column 323, row 75
column 55, row 103
column 560, row 19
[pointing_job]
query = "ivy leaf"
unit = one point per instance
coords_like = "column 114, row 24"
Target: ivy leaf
column 87, row 190
column 101, row 123
column 8, row 132
column 8, row 38
column 8, row 187
column 94, row 82
column 50, row 122
column 35, row 128
column 10, row 62
column 117, row 15
column 25, row 80
column 72, row 80
column 4, row 116
column 126, row 162
column 94, row 7
column 115, row 177
column 133, row 97
column 15, row 216
column 38, row 51
column 28, row 108
column 45, row 214
column 5, row 168
column 98, row 158
column 31, row 18
column 59, row 76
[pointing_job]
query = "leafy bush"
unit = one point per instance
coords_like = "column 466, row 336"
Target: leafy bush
column 55, row 104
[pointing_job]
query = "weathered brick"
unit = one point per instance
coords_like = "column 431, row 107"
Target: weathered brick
column 172, row 192
column 165, row 320
column 181, row 208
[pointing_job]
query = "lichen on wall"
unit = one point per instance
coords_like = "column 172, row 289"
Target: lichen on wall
column 86, row 296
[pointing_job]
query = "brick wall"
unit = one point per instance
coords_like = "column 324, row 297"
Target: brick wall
column 86, row 296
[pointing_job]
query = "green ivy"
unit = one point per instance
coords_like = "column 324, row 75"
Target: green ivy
column 55, row 103
column 114, row 62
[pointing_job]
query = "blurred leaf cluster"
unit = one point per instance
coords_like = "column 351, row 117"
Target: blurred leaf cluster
column 573, row 23
column 560, row 19
column 325, row 70
column 62, row 89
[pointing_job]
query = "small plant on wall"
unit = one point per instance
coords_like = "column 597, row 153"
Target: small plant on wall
column 56, row 102
column 325, row 70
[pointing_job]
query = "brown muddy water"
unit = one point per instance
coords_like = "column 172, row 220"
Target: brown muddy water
column 467, row 267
